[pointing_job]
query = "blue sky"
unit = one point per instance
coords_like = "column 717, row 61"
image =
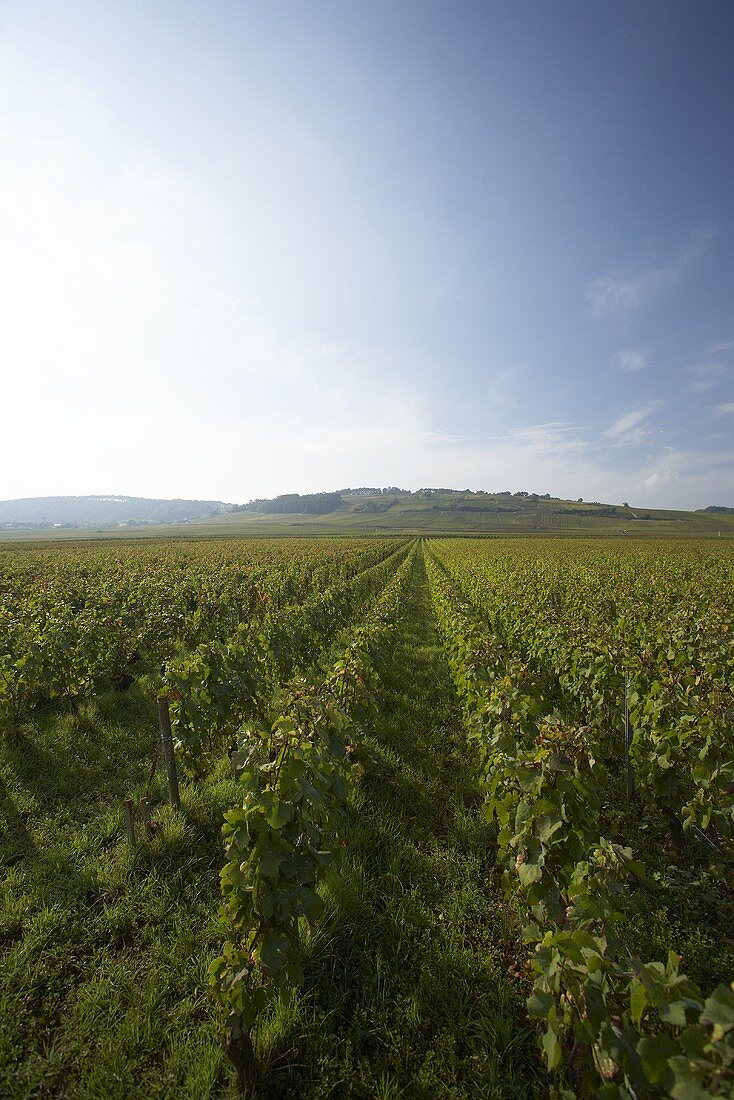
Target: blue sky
column 258, row 248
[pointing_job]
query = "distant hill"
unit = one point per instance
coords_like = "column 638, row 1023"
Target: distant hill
column 361, row 511
column 103, row 511
column 461, row 511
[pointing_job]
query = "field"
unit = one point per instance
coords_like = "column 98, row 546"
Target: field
column 455, row 818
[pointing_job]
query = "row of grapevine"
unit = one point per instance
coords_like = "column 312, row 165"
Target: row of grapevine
column 629, row 1028
column 218, row 686
column 655, row 633
column 295, row 770
column 73, row 623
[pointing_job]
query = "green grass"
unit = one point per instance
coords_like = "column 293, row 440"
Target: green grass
column 104, row 949
column 407, row 990
column 415, row 983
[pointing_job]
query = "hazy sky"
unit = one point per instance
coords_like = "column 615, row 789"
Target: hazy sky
column 249, row 248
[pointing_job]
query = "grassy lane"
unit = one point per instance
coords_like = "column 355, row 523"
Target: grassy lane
column 407, row 991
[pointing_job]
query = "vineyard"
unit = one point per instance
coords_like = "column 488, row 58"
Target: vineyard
column 449, row 817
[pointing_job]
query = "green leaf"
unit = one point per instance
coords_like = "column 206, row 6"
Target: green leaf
column 656, row 1052
column 540, row 1003
column 638, row 1001
column 280, row 814
column 270, row 861
column 547, row 825
column 528, row 873
column 310, row 904
column 552, row 1047
column 694, row 1041
column 274, row 951
column 262, row 897
column 558, row 763
column 719, row 1009
column 522, row 816
column 674, row 1013
column 687, row 1082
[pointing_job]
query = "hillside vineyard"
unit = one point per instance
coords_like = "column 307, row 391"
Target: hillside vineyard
column 454, row 818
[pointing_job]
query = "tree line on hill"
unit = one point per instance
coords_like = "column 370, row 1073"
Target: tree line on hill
column 322, row 503
column 306, row 504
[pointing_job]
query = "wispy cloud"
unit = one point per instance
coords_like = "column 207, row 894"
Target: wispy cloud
column 549, row 440
column 705, row 375
column 620, row 293
column 685, row 479
column 627, row 428
column 630, row 360
column 725, row 409
column 712, row 368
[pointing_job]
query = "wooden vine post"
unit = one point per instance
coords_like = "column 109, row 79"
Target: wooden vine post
column 127, row 807
column 164, row 721
column 628, row 743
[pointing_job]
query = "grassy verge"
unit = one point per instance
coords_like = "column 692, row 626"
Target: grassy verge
column 407, row 990
column 104, row 949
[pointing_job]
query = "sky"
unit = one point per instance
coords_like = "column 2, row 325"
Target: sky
column 253, row 248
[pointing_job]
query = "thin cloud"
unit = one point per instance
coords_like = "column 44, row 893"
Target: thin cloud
column 717, row 349
column 615, row 295
column 627, row 428
column 555, row 438
column 705, row 375
column 686, row 479
column 725, row 409
column 630, row 360
column 621, row 293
